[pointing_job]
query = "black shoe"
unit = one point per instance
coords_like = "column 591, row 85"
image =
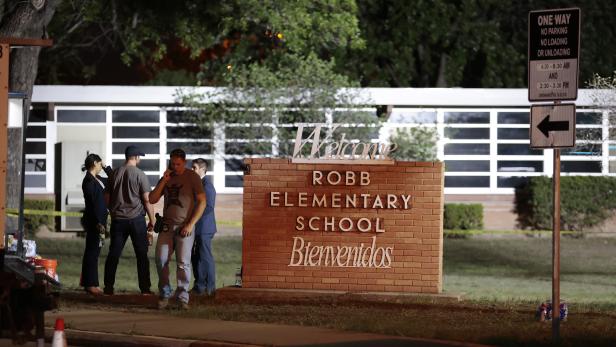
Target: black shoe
column 196, row 291
column 147, row 292
column 108, row 291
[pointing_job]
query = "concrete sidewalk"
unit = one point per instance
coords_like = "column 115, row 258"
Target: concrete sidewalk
column 90, row 327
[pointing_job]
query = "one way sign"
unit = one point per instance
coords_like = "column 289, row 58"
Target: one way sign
column 552, row 126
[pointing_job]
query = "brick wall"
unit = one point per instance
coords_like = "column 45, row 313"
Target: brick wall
column 412, row 237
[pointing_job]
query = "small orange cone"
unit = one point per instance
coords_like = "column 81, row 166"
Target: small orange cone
column 59, row 339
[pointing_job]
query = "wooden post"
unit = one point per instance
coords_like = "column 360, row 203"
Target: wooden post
column 4, row 119
column 556, row 249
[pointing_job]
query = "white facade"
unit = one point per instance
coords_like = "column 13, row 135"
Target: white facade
column 483, row 134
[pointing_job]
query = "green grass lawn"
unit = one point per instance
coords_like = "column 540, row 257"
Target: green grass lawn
column 500, row 269
column 69, row 253
column 502, row 279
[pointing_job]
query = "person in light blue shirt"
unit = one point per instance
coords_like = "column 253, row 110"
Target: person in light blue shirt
column 204, row 268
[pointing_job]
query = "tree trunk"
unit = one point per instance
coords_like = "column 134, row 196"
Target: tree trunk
column 23, row 20
column 441, row 80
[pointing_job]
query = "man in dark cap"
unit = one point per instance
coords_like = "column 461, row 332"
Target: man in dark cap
column 128, row 193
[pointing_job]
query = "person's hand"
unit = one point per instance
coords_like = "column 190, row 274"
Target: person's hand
column 186, row 230
column 150, row 227
column 167, row 175
column 101, row 229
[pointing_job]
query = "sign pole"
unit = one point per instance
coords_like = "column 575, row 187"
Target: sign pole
column 556, row 249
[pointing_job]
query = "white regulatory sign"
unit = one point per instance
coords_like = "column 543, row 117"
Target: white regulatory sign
column 552, row 126
column 553, row 54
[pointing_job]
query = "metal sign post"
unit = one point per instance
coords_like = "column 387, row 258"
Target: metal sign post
column 553, row 59
column 556, row 248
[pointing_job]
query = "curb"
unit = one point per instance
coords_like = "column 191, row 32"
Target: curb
column 92, row 338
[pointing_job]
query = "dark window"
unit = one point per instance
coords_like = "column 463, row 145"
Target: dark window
column 513, row 134
column 37, row 115
column 517, row 149
column 34, row 132
column 467, row 133
column 176, row 116
column 584, row 149
column 580, row 166
column 36, row 165
column 467, row 117
column 135, row 116
column 588, row 134
column 513, row 118
column 189, row 132
column 511, row 182
column 191, row 147
column 254, row 132
column 36, row 147
column 520, row 166
column 146, row 147
column 588, row 118
column 35, row 181
column 248, row 148
column 234, row 165
column 399, row 116
column 467, row 165
column 135, row 132
column 467, row 181
column 234, row 181
column 467, row 148
column 153, row 179
column 81, row 116
column 144, row 164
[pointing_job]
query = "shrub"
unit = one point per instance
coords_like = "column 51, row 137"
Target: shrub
column 585, row 201
column 463, row 216
column 33, row 221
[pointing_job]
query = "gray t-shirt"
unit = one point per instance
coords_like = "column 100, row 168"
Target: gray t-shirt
column 180, row 196
column 126, row 187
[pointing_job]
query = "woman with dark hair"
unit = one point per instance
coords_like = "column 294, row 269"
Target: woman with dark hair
column 94, row 221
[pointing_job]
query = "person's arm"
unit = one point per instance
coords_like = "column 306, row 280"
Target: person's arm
column 155, row 195
column 149, row 210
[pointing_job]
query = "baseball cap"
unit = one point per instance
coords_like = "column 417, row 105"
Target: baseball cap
column 133, row 151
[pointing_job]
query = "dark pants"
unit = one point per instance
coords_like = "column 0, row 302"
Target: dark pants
column 121, row 229
column 203, row 264
column 89, row 265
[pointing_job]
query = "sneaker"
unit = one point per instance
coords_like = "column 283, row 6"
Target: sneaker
column 163, row 303
column 108, row 291
column 183, row 306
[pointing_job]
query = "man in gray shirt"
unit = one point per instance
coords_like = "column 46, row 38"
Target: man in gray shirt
column 184, row 205
column 128, row 194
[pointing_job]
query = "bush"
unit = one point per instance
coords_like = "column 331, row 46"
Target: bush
column 463, row 216
column 585, row 201
column 33, row 221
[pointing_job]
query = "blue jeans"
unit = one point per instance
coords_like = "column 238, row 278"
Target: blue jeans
column 121, row 229
column 169, row 242
column 204, row 268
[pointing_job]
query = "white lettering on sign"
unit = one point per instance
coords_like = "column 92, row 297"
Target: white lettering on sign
column 551, row 19
column 309, row 254
column 343, row 151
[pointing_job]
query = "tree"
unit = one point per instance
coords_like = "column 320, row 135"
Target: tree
column 208, row 36
column 415, row 144
column 469, row 43
column 25, row 19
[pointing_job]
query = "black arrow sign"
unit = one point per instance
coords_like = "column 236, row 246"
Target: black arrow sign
column 546, row 126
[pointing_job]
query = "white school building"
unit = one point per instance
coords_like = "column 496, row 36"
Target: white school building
column 483, row 139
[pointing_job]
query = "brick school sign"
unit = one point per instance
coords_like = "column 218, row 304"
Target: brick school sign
column 355, row 228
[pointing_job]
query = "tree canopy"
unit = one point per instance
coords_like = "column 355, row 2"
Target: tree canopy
column 377, row 43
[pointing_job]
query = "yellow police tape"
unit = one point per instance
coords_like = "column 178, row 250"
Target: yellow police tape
column 14, row 211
